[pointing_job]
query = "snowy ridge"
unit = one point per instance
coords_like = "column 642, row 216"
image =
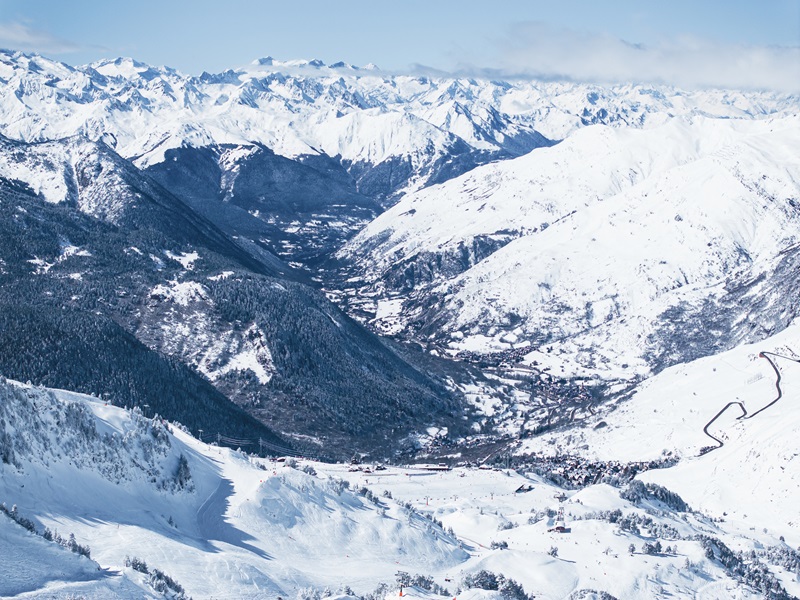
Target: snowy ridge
column 583, row 247
column 156, row 276
column 357, row 115
column 40, row 429
column 74, row 171
column 305, row 108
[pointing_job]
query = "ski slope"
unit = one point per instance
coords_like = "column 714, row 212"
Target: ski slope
column 245, row 527
column 239, row 528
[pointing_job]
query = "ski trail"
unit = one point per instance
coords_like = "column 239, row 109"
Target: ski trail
column 213, row 525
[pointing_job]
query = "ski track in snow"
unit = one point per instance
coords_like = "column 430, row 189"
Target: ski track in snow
column 745, row 415
column 213, row 524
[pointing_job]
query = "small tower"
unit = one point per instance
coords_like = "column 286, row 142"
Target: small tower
column 561, row 524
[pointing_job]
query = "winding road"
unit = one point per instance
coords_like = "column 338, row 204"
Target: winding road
column 745, row 414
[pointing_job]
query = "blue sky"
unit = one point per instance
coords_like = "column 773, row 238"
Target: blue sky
column 579, row 39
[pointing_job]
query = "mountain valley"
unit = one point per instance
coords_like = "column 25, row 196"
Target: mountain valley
column 308, row 330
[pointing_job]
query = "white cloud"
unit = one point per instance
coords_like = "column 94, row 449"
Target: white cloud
column 17, row 36
column 539, row 51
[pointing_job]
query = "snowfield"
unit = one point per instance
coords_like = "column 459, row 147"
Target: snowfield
column 305, row 108
column 753, row 479
column 236, row 527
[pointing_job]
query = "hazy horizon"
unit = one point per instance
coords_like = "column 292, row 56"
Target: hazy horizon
column 713, row 44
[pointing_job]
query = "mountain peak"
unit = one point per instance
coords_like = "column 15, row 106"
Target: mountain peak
column 342, row 65
column 314, row 63
column 129, row 68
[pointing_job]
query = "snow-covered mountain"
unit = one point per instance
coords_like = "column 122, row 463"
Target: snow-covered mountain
column 752, row 476
column 659, row 229
column 613, row 253
column 362, row 118
column 364, row 132
column 139, row 496
column 295, row 108
column 602, row 257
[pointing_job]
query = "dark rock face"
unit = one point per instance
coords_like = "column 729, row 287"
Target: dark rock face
column 297, row 211
column 428, row 267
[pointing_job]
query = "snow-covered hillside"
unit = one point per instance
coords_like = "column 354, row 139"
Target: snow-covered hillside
column 753, row 477
column 360, row 117
column 149, row 510
column 598, row 253
column 96, row 257
column 297, row 156
column 76, row 172
column 218, row 522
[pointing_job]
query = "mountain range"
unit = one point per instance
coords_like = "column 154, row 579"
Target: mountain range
column 615, row 253
column 214, row 219
column 584, row 297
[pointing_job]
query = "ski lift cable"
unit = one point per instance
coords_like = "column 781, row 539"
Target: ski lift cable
column 262, row 443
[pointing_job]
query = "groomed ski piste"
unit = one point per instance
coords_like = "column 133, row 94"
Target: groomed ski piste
column 163, row 514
